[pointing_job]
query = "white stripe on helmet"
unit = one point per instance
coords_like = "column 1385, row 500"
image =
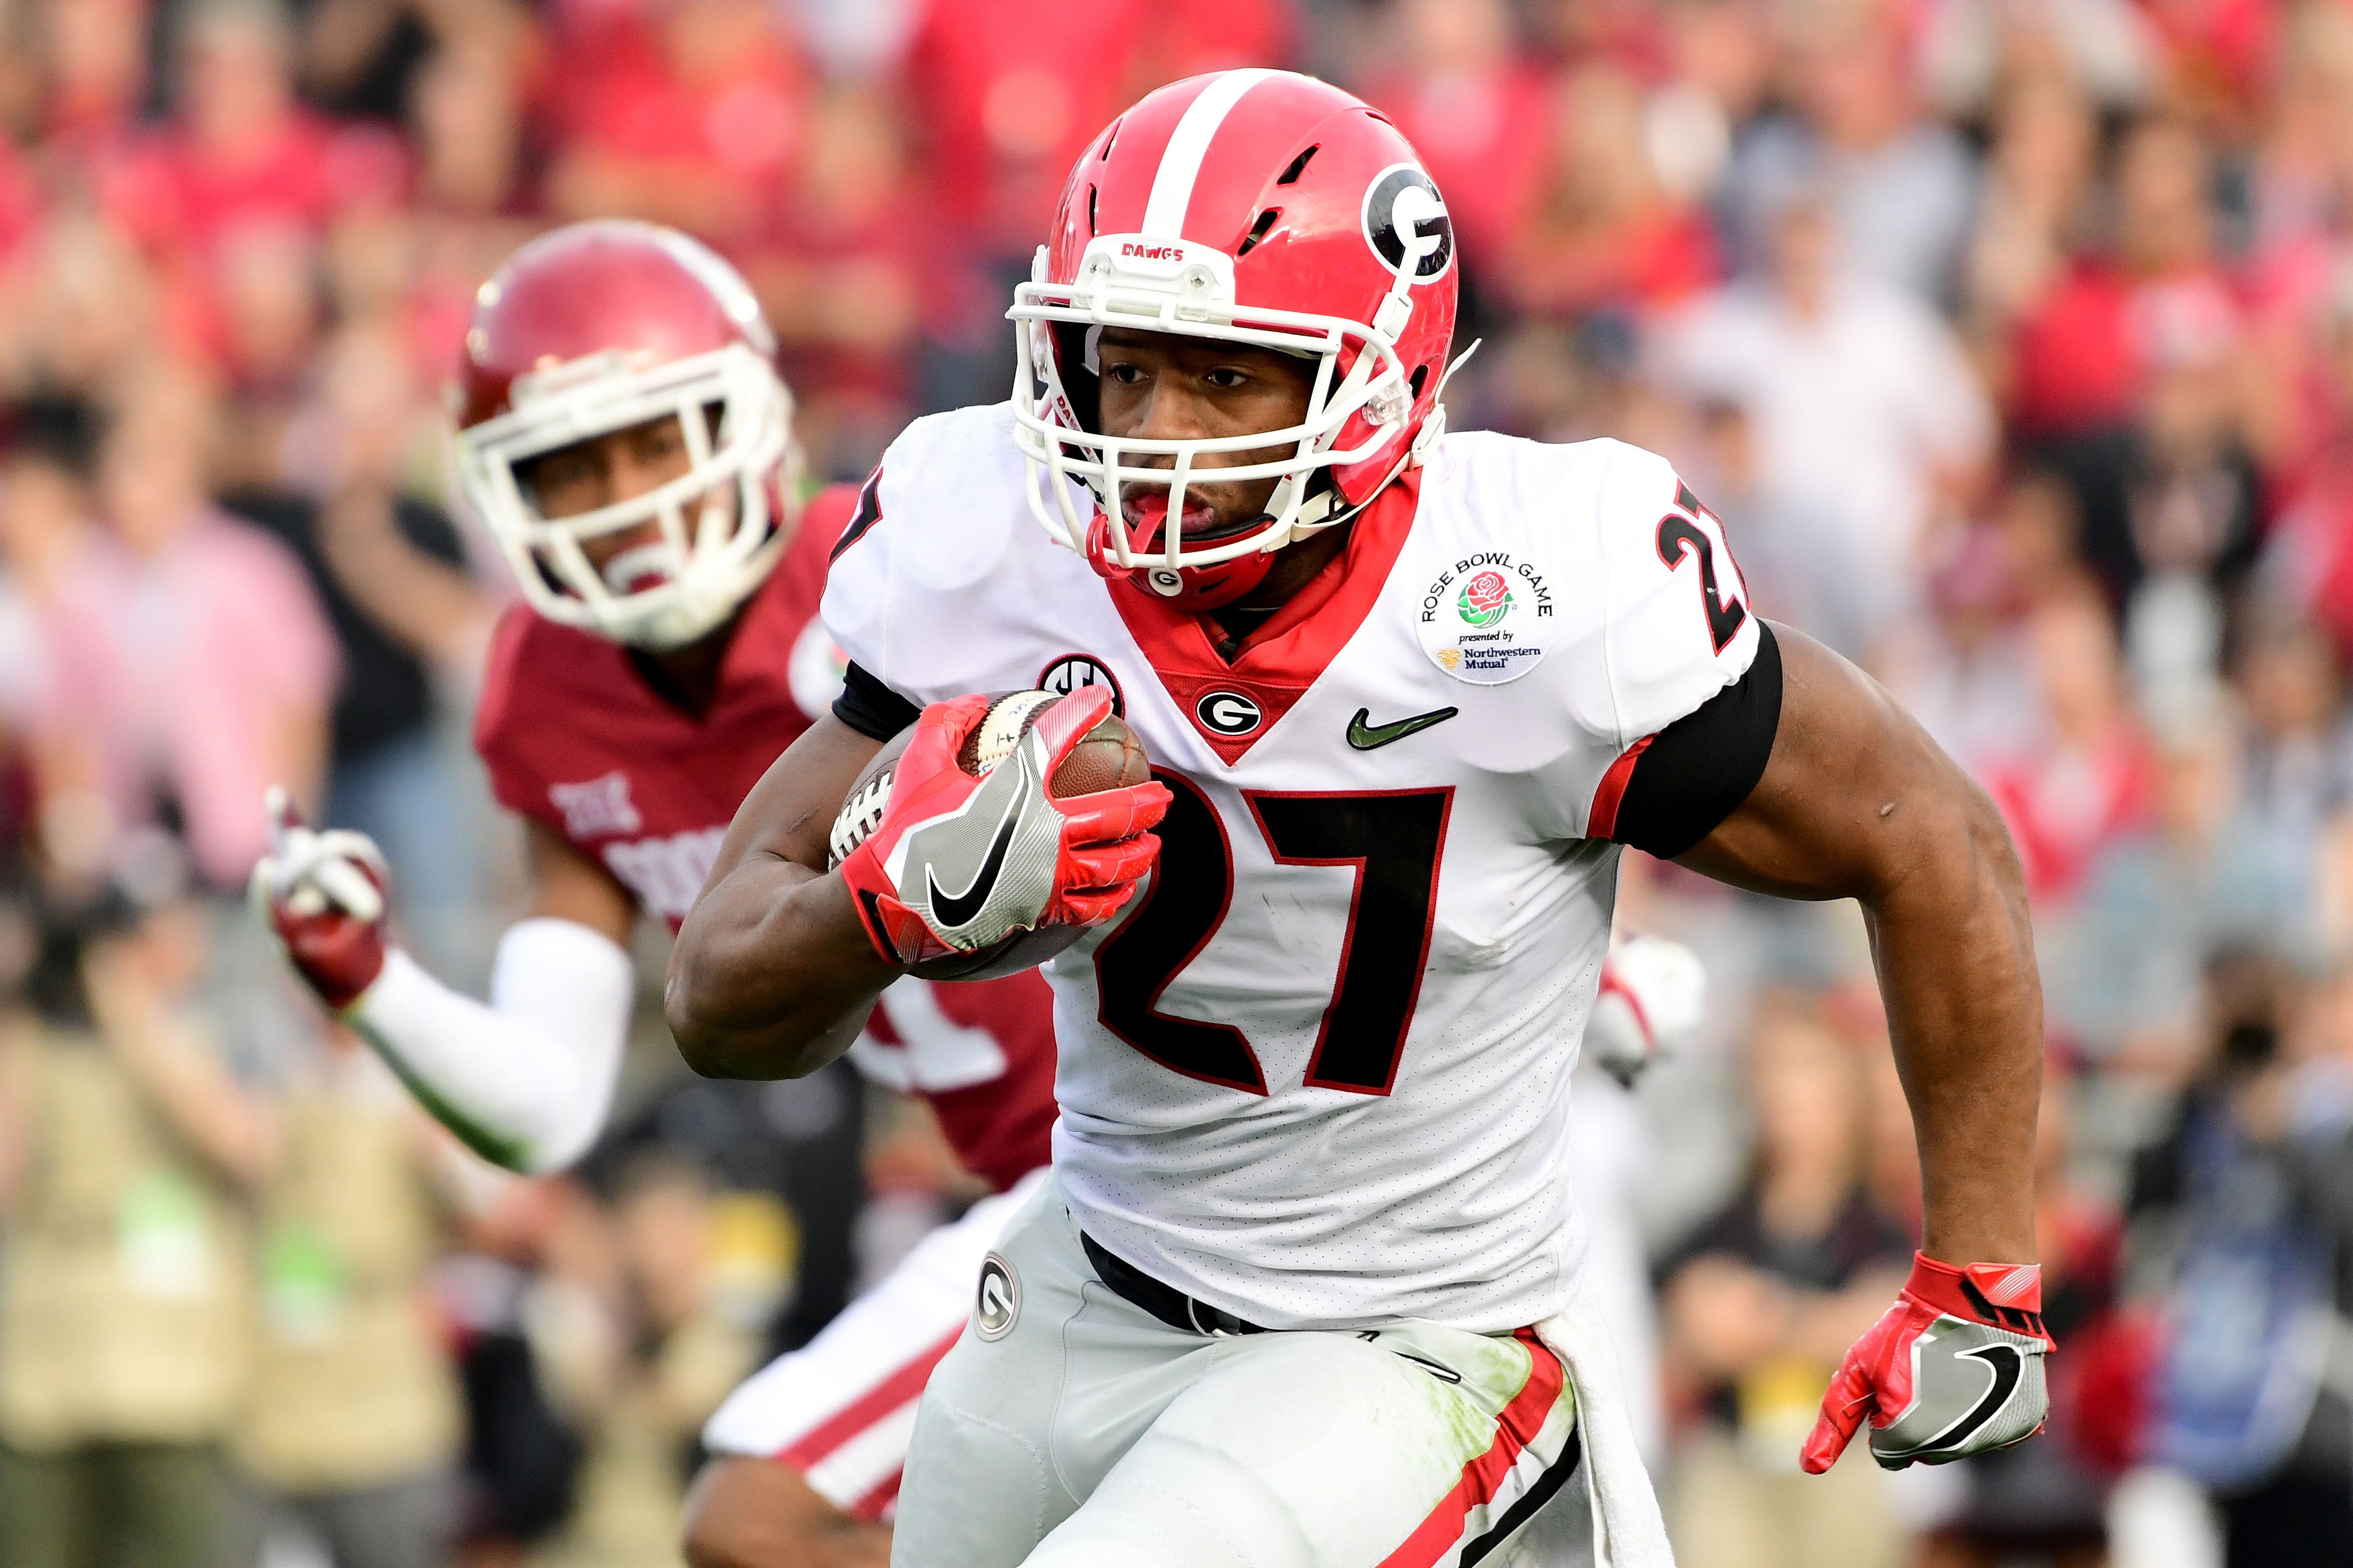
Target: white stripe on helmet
column 1172, row 185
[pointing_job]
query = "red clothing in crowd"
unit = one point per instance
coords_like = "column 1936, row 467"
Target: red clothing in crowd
column 2064, row 806
column 2081, row 358
column 634, row 89
column 20, row 197
column 1007, row 100
column 2219, row 53
column 2315, row 533
column 173, row 193
column 1654, row 260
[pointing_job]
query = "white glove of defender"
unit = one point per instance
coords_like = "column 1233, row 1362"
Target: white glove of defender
column 307, row 870
column 1653, row 994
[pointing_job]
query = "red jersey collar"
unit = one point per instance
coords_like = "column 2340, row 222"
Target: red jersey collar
column 1230, row 706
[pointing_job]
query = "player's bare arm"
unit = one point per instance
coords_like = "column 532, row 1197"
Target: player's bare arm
column 1857, row 801
column 773, row 973
column 1010, row 800
column 565, row 885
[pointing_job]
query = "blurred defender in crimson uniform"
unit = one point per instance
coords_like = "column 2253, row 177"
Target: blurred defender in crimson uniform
column 627, row 440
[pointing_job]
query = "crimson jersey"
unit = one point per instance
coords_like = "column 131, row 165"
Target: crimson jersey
column 577, row 742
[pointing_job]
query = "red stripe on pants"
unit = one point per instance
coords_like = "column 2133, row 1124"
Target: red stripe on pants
column 869, row 1509
column 1522, row 1419
column 867, row 1408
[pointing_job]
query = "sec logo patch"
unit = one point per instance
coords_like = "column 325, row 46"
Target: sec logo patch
column 1074, row 670
column 998, row 1305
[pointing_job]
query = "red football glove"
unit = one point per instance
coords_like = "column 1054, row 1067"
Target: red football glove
column 958, row 863
column 322, row 893
column 1954, row 1368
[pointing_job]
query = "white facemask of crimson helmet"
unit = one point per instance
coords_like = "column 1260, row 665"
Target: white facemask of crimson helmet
column 602, row 326
column 1248, row 207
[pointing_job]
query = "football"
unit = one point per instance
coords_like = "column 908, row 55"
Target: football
column 1108, row 756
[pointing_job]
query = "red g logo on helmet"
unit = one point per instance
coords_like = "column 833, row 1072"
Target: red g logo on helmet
column 1407, row 225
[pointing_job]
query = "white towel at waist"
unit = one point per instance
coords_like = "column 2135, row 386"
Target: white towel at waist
column 1628, row 1531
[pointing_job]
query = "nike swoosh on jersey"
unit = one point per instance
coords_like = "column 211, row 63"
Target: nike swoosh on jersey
column 952, row 909
column 1366, row 737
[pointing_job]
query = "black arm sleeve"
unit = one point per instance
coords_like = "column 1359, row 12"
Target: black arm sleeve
column 1697, row 771
column 876, row 711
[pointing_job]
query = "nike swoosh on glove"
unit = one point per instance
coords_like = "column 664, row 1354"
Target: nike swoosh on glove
column 1653, row 995
column 1954, row 1368
column 322, row 893
column 959, row 863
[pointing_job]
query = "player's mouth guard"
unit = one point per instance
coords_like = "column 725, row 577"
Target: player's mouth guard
column 1185, row 289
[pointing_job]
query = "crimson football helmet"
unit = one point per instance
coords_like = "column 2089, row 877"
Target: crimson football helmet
column 1250, row 207
column 600, row 327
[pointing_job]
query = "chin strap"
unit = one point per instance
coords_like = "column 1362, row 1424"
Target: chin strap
column 1435, row 426
column 1321, row 511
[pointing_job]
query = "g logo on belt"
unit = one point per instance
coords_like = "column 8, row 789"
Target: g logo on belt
column 999, row 1303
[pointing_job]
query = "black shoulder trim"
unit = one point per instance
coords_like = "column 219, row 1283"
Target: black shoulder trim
column 1697, row 771
column 870, row 708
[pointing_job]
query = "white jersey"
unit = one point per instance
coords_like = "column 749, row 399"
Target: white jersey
column 1318, row 1074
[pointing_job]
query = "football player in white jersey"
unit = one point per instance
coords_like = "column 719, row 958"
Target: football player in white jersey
column 1305, row 1285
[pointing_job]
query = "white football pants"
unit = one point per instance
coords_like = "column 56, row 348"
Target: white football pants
column 1087, row 1433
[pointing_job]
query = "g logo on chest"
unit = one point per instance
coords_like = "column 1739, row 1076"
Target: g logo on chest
column 1228, row 713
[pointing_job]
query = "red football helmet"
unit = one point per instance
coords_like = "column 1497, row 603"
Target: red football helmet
column 1252, row 207
column 600, row 327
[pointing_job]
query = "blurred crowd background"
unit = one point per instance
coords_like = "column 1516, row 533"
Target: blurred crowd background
column 2012, row 339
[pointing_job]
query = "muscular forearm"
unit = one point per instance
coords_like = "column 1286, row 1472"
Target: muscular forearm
column 773, row 975
column 1857, row 801
column 1956, row 957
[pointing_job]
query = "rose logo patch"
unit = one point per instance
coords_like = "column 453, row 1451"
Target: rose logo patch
column 999, row 1304
column 1485, row 599
column 1487, row 616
